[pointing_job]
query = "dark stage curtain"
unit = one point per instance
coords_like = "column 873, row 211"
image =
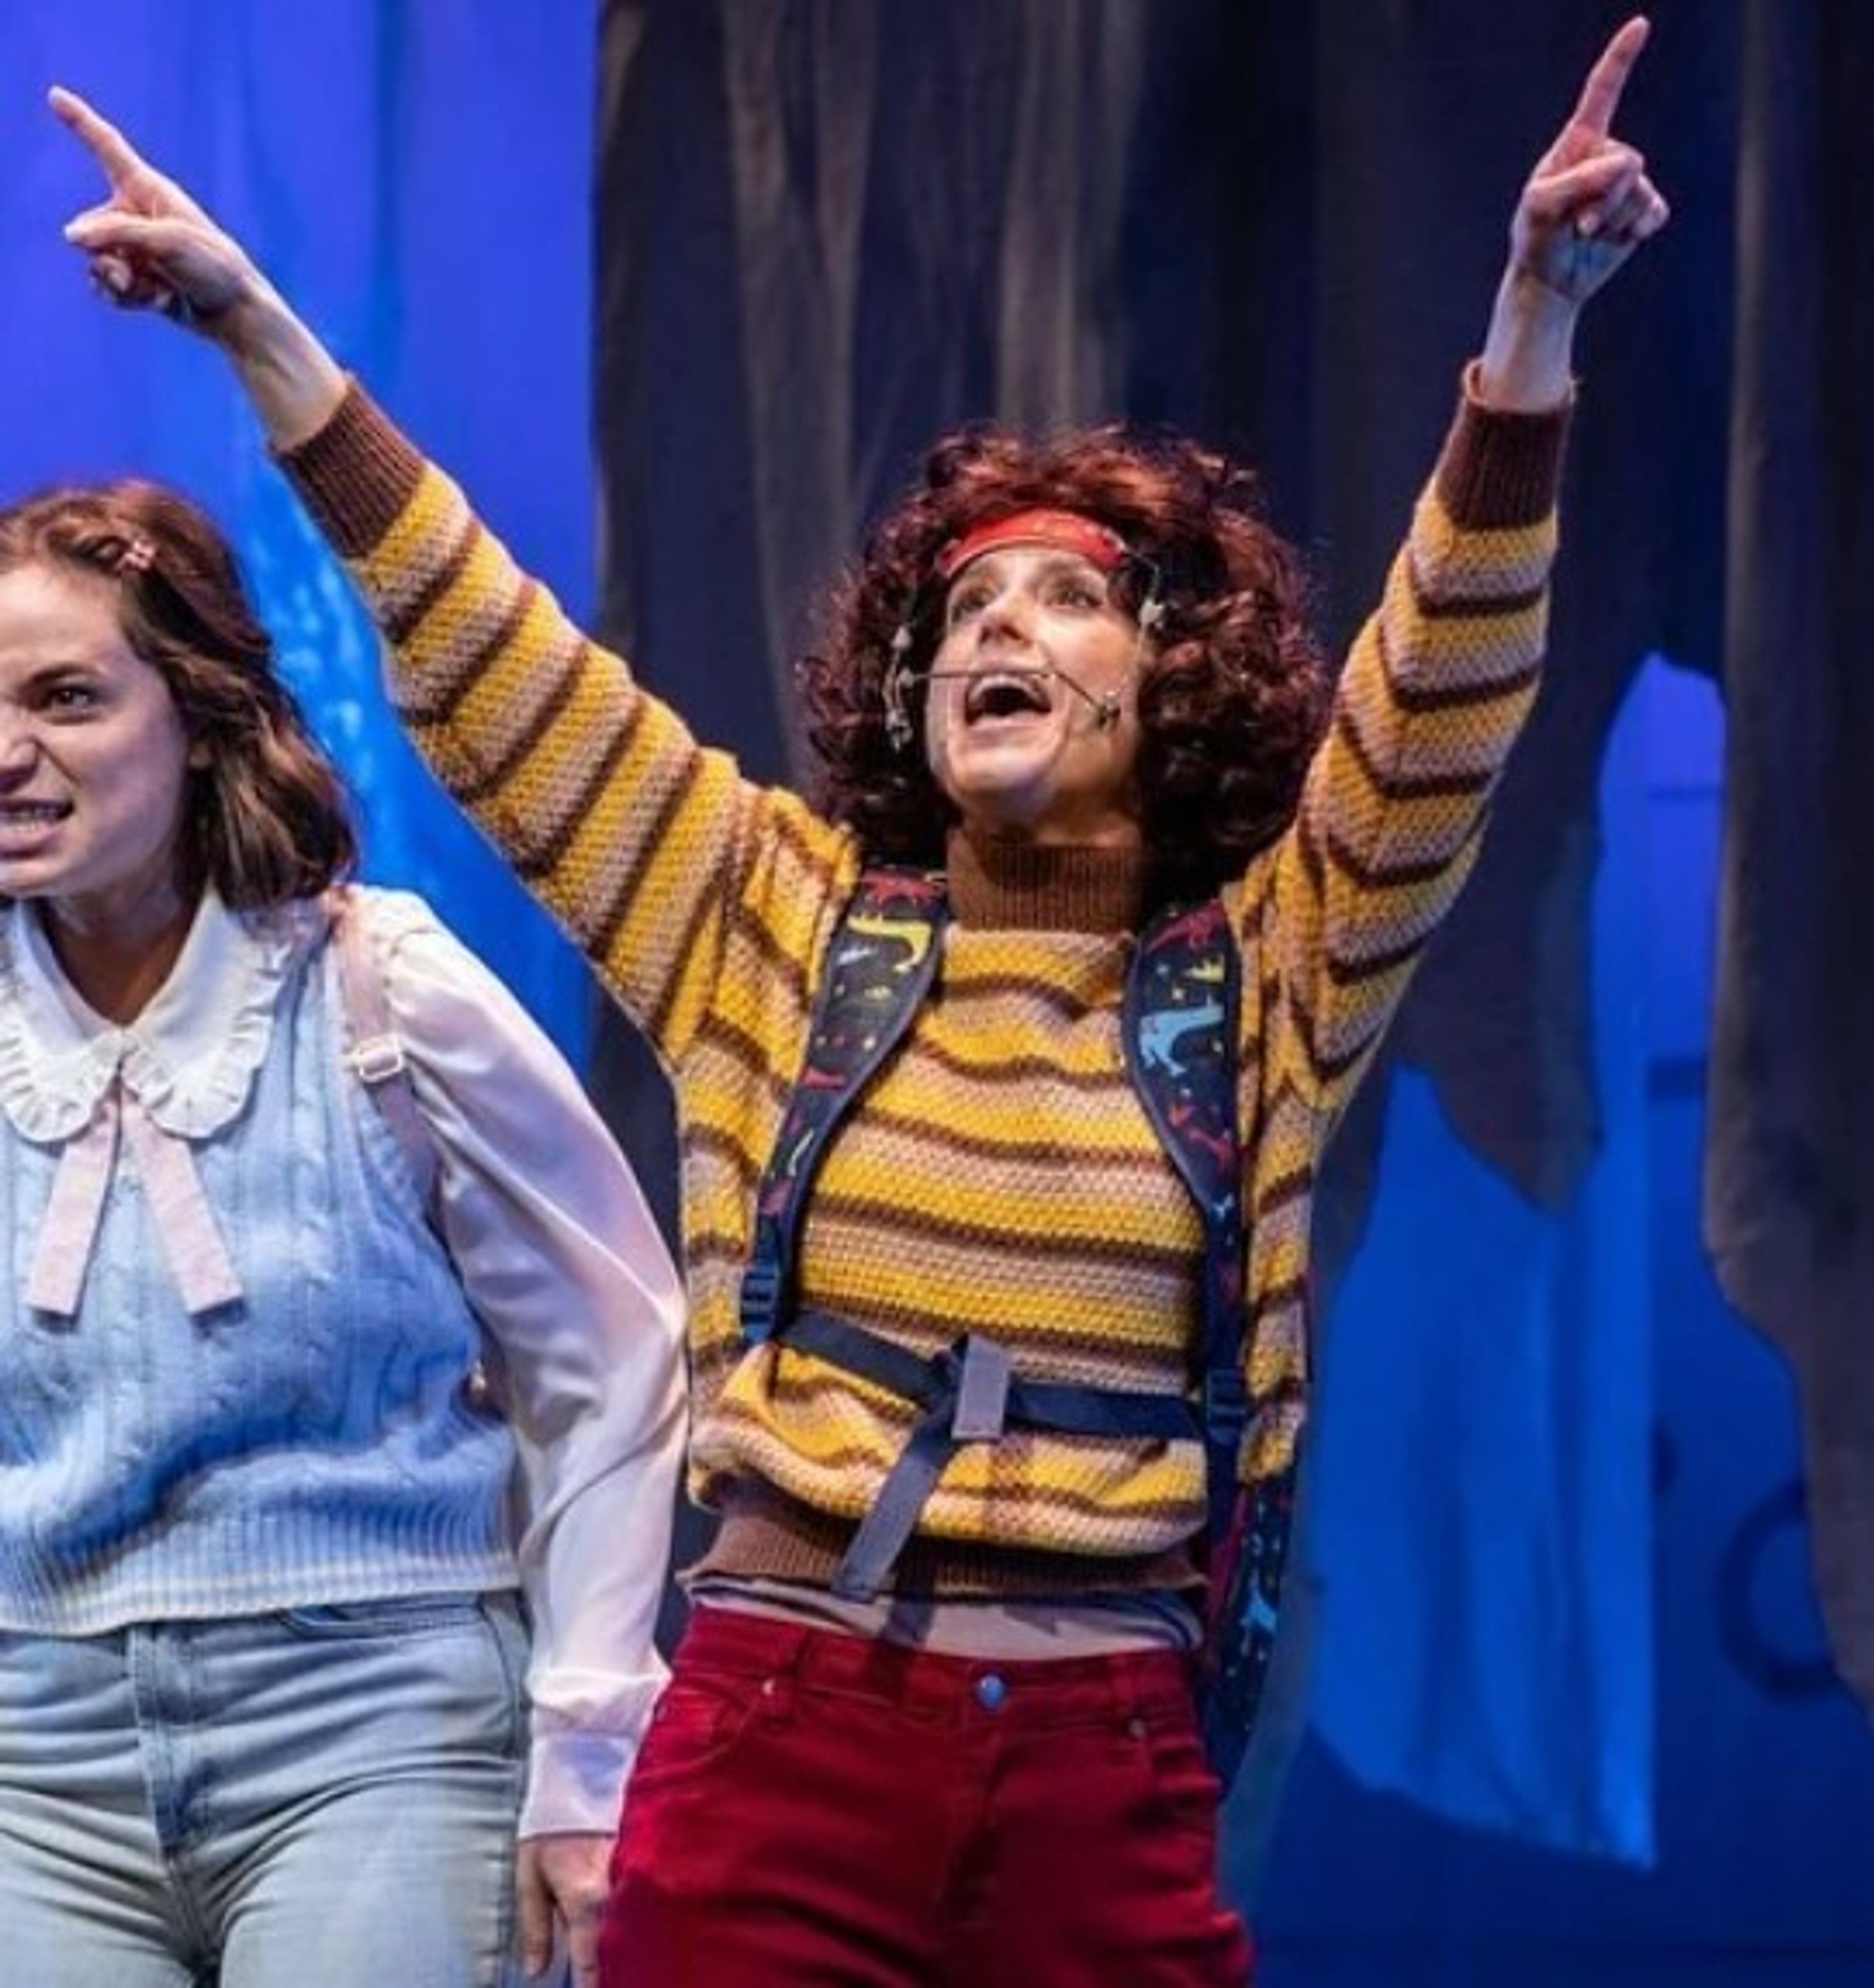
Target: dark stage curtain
column 1790, row 1166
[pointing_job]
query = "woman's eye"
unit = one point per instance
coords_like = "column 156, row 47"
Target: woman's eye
column 967, row 601
column 1080, row 596
column 68, row 697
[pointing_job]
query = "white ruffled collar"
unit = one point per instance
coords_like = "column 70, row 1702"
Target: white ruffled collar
column 189, row 1058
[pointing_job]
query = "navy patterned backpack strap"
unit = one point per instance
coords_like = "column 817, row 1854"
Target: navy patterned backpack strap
column 880, row 963
column 1183, row 1001
column 1247, row 1564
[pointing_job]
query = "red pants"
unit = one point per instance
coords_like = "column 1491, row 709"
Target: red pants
column 812, row 1808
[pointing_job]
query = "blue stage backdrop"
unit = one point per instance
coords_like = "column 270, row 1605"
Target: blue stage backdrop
column 1572, row 1718
column 417, row 177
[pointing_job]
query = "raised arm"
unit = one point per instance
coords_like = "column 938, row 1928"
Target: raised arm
column 1442, row 676
column 645, row 846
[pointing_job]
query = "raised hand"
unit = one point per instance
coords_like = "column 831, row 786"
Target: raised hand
column 1588, row 204
column 151, row 246
column 1585, row 208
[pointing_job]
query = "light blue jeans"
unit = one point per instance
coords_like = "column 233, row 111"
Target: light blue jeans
column 323, row 1799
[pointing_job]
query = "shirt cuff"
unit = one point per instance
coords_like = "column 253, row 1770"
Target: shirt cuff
column 575, row 1782
column 1499, row 468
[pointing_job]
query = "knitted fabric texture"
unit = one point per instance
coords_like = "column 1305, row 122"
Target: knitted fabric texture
column 1000, row 1176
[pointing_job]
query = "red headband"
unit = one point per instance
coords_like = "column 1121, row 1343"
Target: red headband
column 1067, row 530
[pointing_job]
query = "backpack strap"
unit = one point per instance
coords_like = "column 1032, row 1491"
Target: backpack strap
column 1183, row 1000
column 374, row 1053
column 1180, row 1021
column 1183, row 1003
column 1247, row 1563
column 970, row 1392
column 879, row 967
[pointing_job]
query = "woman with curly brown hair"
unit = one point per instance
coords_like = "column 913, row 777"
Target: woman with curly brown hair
column 335, row 1326
column 1228, row 714
column 1003, row 1075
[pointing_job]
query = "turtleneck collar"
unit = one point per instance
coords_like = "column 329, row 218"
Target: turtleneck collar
column 1006, row 883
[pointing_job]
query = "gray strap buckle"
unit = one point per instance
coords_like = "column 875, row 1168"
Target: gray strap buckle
column 982, row 1391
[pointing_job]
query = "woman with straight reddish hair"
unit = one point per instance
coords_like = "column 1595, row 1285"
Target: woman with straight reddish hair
column 1004, row 1069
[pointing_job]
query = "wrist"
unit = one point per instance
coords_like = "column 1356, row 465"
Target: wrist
column 1527, row 365
column 294, row 383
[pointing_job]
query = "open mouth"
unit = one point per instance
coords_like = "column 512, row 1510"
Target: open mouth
column 31, row 814
column 998, row 694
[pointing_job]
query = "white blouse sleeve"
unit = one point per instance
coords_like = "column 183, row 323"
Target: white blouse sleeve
column 565, row 1268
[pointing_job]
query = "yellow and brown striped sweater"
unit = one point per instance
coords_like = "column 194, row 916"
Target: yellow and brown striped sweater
column 1000, row 1175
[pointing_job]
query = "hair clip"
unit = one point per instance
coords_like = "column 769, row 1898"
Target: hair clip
column 138, row 555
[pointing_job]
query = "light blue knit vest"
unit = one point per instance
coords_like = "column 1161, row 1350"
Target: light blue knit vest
column 321, row 1440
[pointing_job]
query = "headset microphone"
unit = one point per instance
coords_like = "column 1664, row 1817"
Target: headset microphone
column 1106, row 704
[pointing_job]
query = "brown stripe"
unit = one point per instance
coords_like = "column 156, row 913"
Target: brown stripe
column 1283, row 1292
column 702, row 1142
column 790, row 834
column 520, row 747
column 1111, row 1082
column 954, row 1143
column 1500, row 469
column 712, row 1248
column 959, row 988
column 357, row 475
column 720, row 1356
column 1482, row 607
column 552, row 841
column 1393, row 876
column 1412, row 786
column 400, row 619
column 1328, row 1070
column 749, row 1054
column 892, row 1218
column 1295, row 1185
column 704, row 906
column 776, row 962
column 1419, row 700
column 631, row 877
column 1346, row 972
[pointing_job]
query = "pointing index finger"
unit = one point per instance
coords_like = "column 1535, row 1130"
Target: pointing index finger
column 1601, row 94
column 118, row 157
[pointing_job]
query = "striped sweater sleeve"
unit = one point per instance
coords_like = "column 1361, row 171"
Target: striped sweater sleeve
column 1437, row 686
column 641, row 842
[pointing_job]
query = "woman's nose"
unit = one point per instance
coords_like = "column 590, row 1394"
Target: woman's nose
column 1009, row 614
column 19, row 745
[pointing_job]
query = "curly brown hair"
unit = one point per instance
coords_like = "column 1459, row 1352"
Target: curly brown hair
column 1230, row 708
column 266, row 818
